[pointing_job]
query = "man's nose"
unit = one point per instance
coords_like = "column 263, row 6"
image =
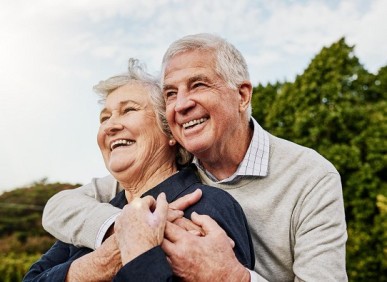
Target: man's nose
column 184, row 103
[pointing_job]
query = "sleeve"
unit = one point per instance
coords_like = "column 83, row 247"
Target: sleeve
column 150, row 266
column 76, row 216
column 226, row 211
column 52, row 266
column 320, row 233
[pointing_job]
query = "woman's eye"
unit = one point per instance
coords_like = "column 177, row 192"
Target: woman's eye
column 103, row 119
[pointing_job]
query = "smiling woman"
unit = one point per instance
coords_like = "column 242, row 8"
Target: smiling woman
column 129, row 136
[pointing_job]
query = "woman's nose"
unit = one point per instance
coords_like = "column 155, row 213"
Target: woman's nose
column 112, row 126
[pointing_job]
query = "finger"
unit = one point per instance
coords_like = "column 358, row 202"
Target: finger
column 188, row 225
column 174, row 214
column 168, row 247
column 149, row 201
column 174, row 233
column 205, row 222
column 140, row 203
column 161, row 207
column 196, row 233
column 210, row 226
column 186, row 201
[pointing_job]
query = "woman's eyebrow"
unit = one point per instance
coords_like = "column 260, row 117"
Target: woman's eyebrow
column 121, row 104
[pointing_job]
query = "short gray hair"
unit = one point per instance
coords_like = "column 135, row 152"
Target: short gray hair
column 137, row 73
column 230, row 65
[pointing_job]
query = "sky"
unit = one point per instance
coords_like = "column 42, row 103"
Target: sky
column 53, row 52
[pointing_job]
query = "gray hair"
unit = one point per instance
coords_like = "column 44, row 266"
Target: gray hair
column 230, row 65
column 137, row 73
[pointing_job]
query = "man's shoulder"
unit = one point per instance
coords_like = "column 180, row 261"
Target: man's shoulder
column 291, row 154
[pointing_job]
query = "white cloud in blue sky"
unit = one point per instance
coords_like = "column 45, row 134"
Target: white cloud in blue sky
column 53, row 52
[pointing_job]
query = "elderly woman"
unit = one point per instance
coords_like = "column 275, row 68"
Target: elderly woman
column 139, row 151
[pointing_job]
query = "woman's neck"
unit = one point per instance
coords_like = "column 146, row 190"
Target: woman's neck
column 147, row 179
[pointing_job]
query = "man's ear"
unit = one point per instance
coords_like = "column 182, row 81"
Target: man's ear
column 245, row 92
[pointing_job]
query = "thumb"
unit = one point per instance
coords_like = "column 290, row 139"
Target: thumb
column 161, row 207
column 210, row 226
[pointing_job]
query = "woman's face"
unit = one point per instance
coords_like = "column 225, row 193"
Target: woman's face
column 129, row 137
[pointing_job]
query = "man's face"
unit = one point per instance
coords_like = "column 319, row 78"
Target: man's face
column 202, row 110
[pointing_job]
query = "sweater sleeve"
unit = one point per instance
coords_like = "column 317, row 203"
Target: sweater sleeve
column 77, row 216
column 320, row 233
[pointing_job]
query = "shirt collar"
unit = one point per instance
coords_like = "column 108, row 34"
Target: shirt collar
column 255, row 161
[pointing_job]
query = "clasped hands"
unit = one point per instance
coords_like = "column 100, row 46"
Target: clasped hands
column 197, row 249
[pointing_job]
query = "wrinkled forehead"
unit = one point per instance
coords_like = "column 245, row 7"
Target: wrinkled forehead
column 187, row 59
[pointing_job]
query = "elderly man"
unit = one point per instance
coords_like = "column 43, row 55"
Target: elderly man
column 292, row 196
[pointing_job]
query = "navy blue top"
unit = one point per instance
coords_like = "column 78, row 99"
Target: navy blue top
column 153, row 265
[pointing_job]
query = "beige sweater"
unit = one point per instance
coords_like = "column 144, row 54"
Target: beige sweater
column 296, row 215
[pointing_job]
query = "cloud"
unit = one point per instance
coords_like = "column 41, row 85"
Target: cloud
column 53, row 52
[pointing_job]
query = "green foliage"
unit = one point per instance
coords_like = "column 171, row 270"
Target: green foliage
column 14, row 266
column 22, row 237
column 340, row 110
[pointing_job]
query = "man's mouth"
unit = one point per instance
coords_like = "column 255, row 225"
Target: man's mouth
column 120, row 143
column 194, row 122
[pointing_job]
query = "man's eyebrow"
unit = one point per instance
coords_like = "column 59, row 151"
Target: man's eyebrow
column 199, row 77
column 168, row 87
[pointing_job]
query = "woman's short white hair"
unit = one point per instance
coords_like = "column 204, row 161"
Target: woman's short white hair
column 137, row 73
column 229, row 62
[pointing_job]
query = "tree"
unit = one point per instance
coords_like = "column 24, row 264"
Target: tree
column 338, row 108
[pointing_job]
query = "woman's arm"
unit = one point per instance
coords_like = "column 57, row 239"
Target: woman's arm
column 52, row 266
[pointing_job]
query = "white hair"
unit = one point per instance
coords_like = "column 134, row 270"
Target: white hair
column 137, row 73
column 230, row 65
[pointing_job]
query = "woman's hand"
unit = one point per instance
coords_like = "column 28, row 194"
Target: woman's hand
column 140, row 226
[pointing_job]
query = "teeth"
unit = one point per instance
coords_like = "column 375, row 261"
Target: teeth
column 120, row 142
column 194, row 122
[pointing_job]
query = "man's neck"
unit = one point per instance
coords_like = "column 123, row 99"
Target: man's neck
column 224, row 164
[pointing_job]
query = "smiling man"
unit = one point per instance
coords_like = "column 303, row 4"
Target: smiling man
column 291, row 195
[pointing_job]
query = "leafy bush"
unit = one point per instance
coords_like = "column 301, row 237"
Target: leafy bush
column 339, row 109
column 14, row 266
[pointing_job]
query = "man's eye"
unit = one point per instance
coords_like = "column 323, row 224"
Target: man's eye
column 169, row 94
column 128, row 109
column 198, row 84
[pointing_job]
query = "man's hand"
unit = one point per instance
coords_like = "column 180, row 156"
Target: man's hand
column 176, row 208
column 140, row 226
column 186, row 201
column 203, row 258
column 101, row 264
